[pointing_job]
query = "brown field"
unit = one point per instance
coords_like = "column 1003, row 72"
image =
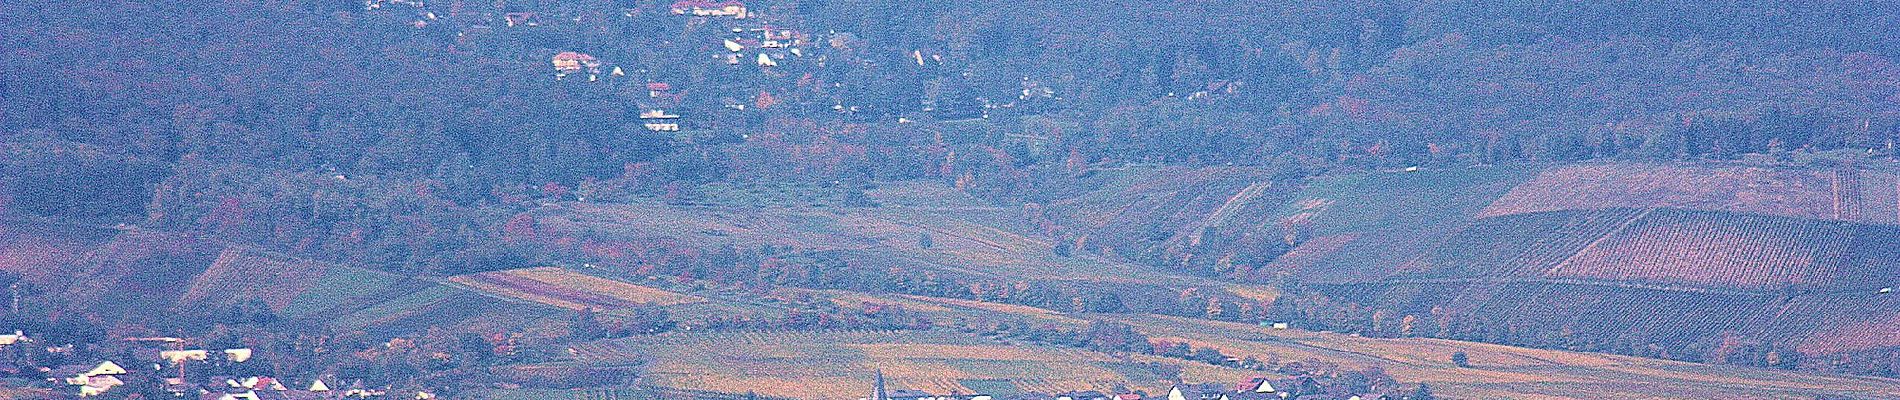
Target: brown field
column 839, row 365
column 1000, row 308
column 571, row 290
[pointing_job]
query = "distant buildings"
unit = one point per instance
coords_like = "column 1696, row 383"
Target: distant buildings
column 702, row 8
column 660, row 121
column 92, row 381
column 568, row 62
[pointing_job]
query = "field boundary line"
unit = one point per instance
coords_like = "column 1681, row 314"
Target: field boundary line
column 1599, row 240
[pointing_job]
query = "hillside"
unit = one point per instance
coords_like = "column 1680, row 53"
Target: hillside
column 131, row 278
column 1848, row 193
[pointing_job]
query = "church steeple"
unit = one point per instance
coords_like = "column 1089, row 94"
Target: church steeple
column 877, row 390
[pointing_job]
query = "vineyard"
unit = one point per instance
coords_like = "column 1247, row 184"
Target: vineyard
column 1707, row 249
column 1636, row 247
column 1844, row 194
column 1521, row 244
column 240, row 274
column 571, row 290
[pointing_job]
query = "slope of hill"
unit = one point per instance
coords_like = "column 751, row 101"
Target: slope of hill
column 1715, row 262
column 1849, row 193
column 141, row 277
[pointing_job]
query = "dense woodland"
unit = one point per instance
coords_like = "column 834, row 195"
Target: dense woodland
column 327, row 131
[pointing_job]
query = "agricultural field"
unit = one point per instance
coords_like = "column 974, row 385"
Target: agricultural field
column 1849, row 193
column 1422, row 201
column 39, row 251
column 1665, row 247
column 571, row 290
column 395, row 308
column 241, row 274
column 1719, row 250
column 1514, row 372
column 960, row 246
column 839, row 365
column 342, row 287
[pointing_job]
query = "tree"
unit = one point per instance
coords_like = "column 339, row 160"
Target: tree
column 585, row 326
column 1209, row 355
column 923, row 240
column 1461, row 359
column 1424, row 392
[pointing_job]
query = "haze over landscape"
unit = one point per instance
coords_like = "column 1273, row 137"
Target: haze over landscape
column 977, row 200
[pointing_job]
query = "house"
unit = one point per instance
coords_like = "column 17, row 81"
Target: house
column 655, row 89
column 767, row 61
column 1884, row 290
column 907, row 394
column 181, row 356
column 1256, row 385
column 92, row 380
column 570, row 62
column 318, row 386
column 1197, row 392
column 519, row 19
column 237, row 355
column 734, row 46
column 246, row 395
column 15, row 337
column 790, row 37
column 662, row 126
column 106, row 368
column 262, row 383
column 98, row 385
column 359, row 391
column 618, row 72
column 1088, row 395
column 657, row 114
column 702, row 8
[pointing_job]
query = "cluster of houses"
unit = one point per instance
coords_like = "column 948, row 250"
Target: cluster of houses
column 168, row 369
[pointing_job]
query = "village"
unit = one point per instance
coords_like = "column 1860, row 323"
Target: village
column 734, row 36
column 171, row 366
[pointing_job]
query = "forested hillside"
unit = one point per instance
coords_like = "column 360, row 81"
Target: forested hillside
column 1677, row 179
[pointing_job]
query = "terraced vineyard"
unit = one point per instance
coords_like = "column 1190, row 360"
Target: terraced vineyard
column 1719, row 250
